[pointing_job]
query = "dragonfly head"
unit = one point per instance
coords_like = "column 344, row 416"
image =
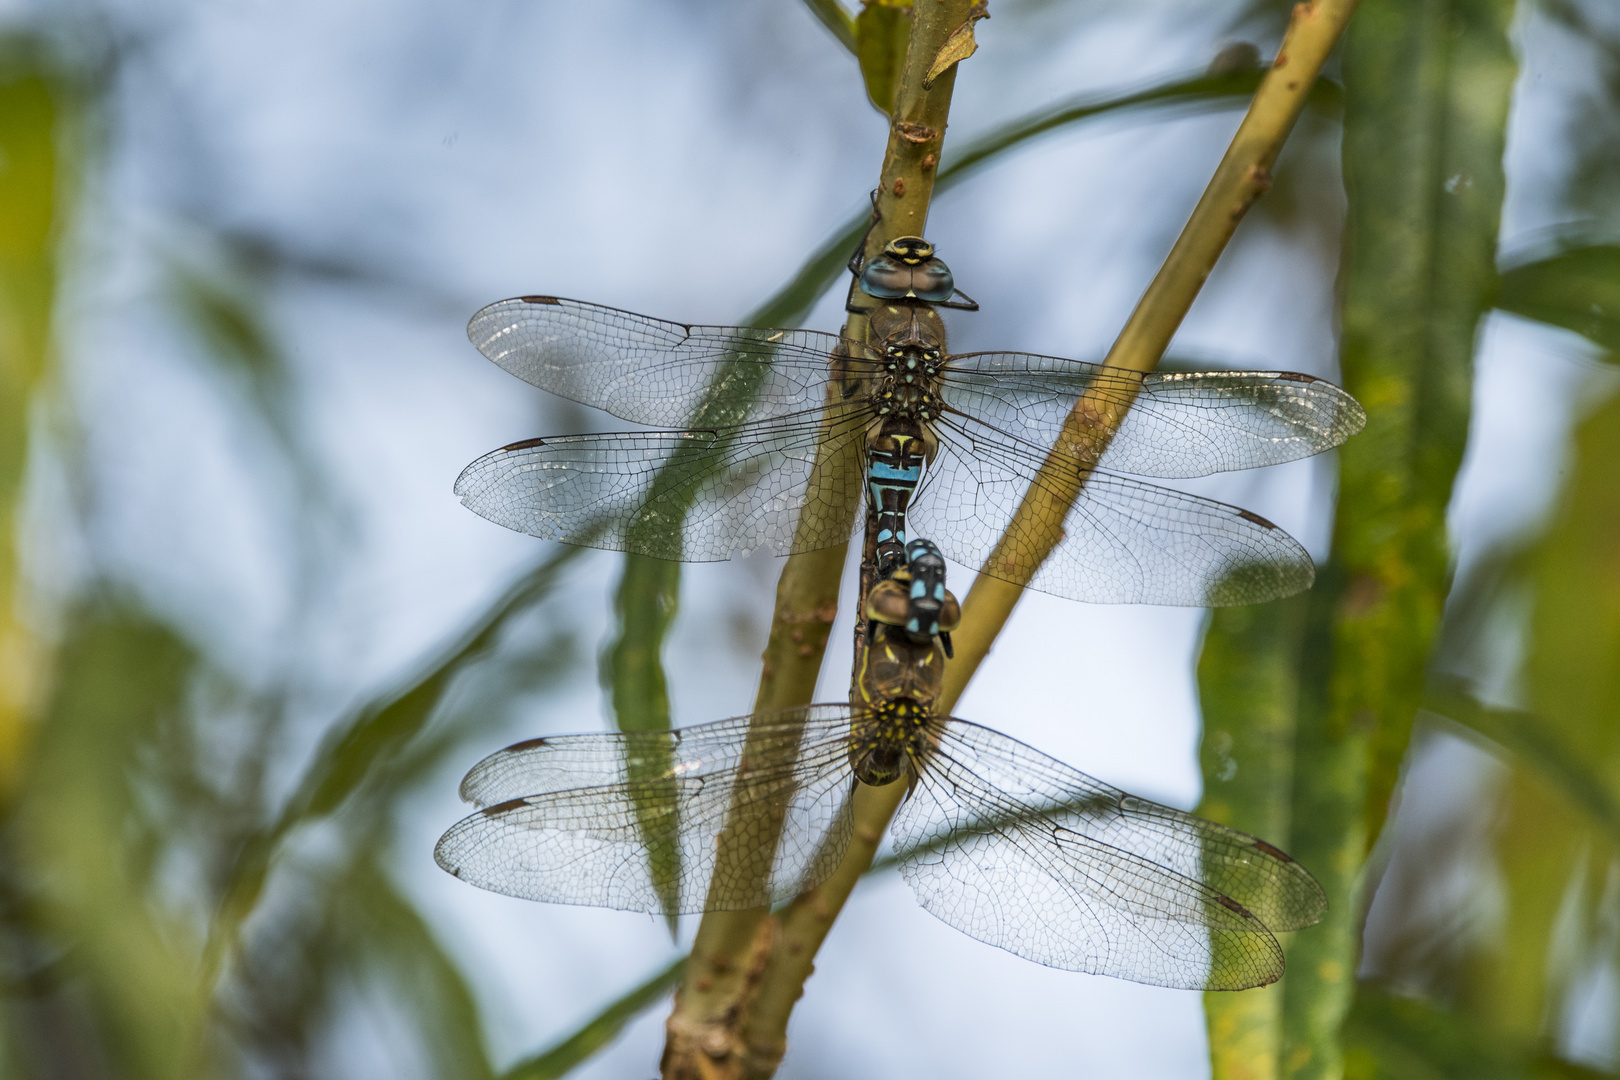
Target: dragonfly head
column 908, row 269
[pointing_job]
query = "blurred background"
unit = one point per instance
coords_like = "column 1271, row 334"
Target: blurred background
column 249, row 640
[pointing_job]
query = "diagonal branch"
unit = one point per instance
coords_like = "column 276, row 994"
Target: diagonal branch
column 1243, row 176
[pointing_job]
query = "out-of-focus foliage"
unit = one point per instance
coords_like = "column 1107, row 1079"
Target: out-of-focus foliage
column 881, row 31
column 1557, row 839
column 1500, row 1001
column 1558, row 828
column 1427, row 90
column 31, row 174
column 1577, row 289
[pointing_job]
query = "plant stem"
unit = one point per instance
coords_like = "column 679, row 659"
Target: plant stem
column 722, row 969
column 1243, row 175
column 714, row 1004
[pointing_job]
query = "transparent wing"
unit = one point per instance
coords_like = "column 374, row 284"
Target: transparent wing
column 1066, row 874
column 652, row 371
column 1266, row 881
column 1124, row 541
column 686, row 496
column 1179, row 425
column 778, row 787
column 562, row 762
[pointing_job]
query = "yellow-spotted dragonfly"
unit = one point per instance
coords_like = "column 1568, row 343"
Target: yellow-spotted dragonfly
column 995, row 838
column 757, row 419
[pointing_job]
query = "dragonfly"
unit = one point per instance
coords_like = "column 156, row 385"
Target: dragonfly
column 995, row 838
column 756, row 423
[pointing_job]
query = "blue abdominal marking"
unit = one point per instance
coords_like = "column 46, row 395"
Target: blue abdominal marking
column 884, row 471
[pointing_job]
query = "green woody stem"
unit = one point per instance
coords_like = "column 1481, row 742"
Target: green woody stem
column 731, row 951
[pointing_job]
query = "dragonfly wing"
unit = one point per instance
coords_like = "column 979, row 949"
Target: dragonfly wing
column 563, row 762
column 1180, row 424
column 1266, row 881
column 1123, row 541
column 781, row 797
column 652, row 371
column 1043, row 881
column 686, row 496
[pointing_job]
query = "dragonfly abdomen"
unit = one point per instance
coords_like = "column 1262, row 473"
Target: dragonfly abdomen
column 894, row 465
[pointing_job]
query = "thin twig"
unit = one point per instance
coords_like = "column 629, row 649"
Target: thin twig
column 1243, row 175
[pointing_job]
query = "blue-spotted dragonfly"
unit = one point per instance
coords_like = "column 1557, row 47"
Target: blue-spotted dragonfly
column 772, row 435
column 995, row 838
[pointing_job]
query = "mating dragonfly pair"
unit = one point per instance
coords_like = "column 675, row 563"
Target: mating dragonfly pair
column 1000, row 841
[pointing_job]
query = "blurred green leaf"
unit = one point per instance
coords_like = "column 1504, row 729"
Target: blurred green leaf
column 1573, row 667
column 600, row 1030
column 366, row 743
column 1427, row 89
column 386, row 932
column 1390, row 1037
column 1181, row 97
column 1530, row 743
column 833, row 16
column 1248, row 685
column 792, row 303
column 30, row 174
column 881, row 33
column 1577, row 289
column 228, row 324
column 646, row 602
column 122, row 678
column 1569, row 755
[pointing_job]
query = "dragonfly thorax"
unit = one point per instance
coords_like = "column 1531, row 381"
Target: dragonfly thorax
column 908, row 384
column 889, row 739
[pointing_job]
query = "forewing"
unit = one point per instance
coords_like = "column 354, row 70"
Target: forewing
column 781, row 798
column 562, row 762
column 686, row 496
column 1179, row 424
column 652, row 371
column 1043, row 881
column 1123, row 541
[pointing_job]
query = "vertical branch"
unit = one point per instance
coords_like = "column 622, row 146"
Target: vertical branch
column 732, row 949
